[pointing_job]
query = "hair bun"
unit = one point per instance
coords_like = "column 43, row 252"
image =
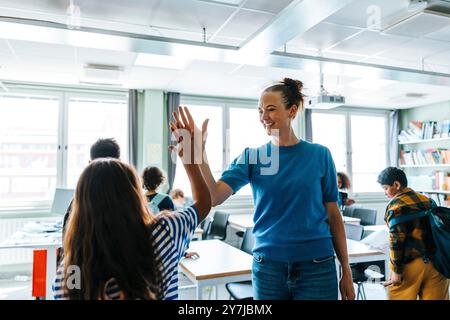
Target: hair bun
column 295, row 85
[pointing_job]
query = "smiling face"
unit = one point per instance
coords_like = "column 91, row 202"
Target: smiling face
column 273, row 114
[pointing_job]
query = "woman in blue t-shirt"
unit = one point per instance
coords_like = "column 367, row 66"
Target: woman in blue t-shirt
column 297, row 223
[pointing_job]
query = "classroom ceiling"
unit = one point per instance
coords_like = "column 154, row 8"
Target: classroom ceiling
column 380, row 54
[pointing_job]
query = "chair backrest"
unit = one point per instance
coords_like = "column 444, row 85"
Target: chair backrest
column 219, row 224
column 348, row 211
column 353, row 231
column 368, row 216
column 248, row 241
column 205, row 225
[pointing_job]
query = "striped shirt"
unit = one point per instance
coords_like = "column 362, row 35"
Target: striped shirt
column 171, row 238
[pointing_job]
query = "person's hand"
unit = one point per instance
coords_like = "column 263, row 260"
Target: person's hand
column 188, row 136
column 395, row 278
column 191, row 255
column 349, row 202
column 346, row 284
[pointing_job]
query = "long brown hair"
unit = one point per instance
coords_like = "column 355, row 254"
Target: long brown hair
column 109, row 234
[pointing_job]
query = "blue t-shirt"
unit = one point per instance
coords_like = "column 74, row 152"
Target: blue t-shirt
column 290, row 186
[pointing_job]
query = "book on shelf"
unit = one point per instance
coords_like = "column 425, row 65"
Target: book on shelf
column 424, row 130
column 434, row 156
column 440, row 199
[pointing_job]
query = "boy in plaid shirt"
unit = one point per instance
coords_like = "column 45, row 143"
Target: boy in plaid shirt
column 412, row 274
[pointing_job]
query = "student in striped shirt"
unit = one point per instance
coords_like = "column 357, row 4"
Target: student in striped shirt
column 114, row 247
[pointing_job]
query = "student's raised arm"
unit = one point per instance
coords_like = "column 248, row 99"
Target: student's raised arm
column 187, row 150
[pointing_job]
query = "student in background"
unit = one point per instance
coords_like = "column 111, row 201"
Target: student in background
column 152, row 178
column 298, row 225
column 121, row 250
column 179, row 200
column 102, row 148
column 412, row 274
column 343, row 185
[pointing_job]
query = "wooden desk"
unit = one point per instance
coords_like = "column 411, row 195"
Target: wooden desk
column 244, row 221
column 219, row 263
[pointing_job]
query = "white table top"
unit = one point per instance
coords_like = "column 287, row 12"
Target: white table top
column 358, row 249
column 217, row 259
column 245, row 221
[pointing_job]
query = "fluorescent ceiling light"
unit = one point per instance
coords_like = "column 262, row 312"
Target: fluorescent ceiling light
column 160, row 61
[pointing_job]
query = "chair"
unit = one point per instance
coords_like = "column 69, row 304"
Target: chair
column 354, row 231
column 218, row 228
column 360, row 271
column 205, row 226
column 348, row 211
column 243, row 290
column 368, row 216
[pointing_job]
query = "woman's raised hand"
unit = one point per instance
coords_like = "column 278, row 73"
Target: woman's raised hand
column 190, row 139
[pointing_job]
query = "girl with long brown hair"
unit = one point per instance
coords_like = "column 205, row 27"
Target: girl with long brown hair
column 114, row 247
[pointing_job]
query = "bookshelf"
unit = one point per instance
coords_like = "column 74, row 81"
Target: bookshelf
column 425, row 157
column 425, row 140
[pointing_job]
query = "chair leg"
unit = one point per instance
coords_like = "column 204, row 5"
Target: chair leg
column 359, row 292
column 363, row 292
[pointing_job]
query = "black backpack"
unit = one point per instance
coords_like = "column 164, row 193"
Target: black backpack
column 440, row 228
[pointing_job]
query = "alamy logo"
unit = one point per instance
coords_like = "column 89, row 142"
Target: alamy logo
column 73, row 277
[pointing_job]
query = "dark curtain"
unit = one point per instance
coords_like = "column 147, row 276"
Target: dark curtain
column 132, row 126
column 172, row 101
column 308, row 125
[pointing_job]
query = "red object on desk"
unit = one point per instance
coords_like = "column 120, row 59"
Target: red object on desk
column 39, row 273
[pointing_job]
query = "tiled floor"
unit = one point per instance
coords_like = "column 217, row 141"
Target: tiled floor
column 20, row 289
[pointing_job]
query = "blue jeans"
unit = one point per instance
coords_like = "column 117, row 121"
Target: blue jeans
column 304, row 280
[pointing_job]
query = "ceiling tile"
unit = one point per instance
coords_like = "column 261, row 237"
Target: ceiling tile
column 267, row 5
column 415, row 50
column 419, row 25
column 245, row 23
column 190, row 15
column 443, row 35
column 369, row 43
column 42, row 49
column 323, row 35
column 440, row 58
column 356, row 13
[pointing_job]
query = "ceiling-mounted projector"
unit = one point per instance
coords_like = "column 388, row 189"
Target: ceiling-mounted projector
column 326, row 101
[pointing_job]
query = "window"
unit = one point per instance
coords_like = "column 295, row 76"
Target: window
column 225, row 139
column 45, row 138
column 254, row 135
column 89, row 120
column 357, row 142
column 28, row 147
column 214, row 143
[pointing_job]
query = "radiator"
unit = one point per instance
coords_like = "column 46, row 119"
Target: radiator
column 14, row 256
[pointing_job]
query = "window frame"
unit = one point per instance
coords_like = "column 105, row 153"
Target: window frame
column 235, row 201
column 348, row 112
column 41, row 208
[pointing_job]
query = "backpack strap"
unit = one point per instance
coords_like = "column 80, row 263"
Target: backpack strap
column 412, row 216
column 157, row 199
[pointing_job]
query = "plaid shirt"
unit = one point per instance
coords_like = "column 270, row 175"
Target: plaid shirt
column 411, row 239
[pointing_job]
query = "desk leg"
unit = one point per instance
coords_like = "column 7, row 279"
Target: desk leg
column 198, row 291
column 338, row 274
column 51, row 272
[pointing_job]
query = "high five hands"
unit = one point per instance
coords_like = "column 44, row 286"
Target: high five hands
column 190, row 139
